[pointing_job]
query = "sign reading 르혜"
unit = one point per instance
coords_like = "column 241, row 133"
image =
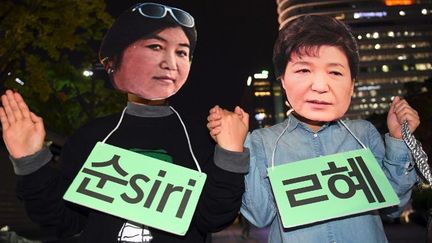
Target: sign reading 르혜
column 342, row 184
column 138, row 188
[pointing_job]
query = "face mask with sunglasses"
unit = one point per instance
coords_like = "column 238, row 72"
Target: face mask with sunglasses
column 159, row 11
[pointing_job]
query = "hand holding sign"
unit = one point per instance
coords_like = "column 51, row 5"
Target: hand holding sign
column 23, row 131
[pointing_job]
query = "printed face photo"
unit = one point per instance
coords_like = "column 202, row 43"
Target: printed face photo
column 319, row 86
column 157, row 67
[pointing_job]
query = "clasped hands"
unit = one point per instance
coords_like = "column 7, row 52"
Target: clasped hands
column 227, row 128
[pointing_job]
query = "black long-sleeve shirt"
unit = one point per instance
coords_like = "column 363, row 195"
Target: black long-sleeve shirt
column 142, row 128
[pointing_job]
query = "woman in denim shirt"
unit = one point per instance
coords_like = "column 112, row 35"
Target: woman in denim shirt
column 316, row 59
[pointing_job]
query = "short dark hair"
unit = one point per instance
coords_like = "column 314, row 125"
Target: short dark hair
column 304, row 34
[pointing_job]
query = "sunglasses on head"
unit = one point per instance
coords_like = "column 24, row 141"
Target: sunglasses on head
column 158, row 11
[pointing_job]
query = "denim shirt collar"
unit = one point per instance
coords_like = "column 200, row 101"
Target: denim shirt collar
column 294, row 122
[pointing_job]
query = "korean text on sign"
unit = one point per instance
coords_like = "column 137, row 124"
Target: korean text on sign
column 138, row 188
column 342, row 184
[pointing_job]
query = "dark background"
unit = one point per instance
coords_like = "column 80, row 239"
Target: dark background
column 235, row 40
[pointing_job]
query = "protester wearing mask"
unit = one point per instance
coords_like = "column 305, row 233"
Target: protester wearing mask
column 147, row 53
column 316, row 59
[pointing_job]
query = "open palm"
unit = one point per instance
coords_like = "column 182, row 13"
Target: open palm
column 23, row 131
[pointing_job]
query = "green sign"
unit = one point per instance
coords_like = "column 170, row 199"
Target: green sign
column 330, row 186
column 138, row 188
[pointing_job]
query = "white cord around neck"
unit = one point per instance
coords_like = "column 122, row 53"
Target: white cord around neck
column 181, row 121
column 187, row 137
column 280, row 135
column 286, row 127
column 116, row 127
column 349, row 130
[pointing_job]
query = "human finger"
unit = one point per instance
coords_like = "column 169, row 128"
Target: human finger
column 14, row 105
column 215, row 131
column 393, row 103
column 3, row 119
column 215, row 109
column 245, row 117
column 25, row 111
column 407, row 112
column 410, row 116
column 404, row 111
column 38, row 121
column 7, row 108
column 214, row 117
column 213, row 124
column 238, row 111
column 403, row 106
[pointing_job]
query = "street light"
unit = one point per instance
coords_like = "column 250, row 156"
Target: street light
column 88, row 73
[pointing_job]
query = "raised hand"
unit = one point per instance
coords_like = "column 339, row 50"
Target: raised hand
column 228, row 129
column 23, row 131
column 399, row 112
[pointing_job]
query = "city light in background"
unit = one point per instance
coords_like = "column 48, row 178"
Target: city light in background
column 395, row 44
column 87, row 73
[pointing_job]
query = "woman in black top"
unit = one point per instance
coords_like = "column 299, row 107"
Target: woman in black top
column 147, row 53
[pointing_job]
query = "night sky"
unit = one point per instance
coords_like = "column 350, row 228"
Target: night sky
column 235, row 40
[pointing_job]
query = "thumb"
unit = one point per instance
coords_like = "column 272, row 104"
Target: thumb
column 244, row 116
column 38, row 121
column 396, row 99
column 238, row 111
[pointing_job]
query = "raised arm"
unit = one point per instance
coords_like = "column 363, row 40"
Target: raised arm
column 222, row 195
column 39, row 185
column 396, row 157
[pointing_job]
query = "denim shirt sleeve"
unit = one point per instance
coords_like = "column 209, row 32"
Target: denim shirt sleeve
column 258, row 206
column 395, row 159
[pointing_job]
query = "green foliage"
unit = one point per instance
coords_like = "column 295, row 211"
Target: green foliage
column 47, row 44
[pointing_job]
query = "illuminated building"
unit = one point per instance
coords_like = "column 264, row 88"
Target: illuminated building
column 263, row 100
column 395, row 44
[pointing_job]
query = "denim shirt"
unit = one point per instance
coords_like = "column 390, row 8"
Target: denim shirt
column 299, row 142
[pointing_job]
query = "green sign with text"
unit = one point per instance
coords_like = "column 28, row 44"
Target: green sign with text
column 330, row 186
column 138, row 188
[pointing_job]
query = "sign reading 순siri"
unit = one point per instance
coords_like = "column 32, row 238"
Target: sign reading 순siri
column 328, row 187
column 138, row 188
